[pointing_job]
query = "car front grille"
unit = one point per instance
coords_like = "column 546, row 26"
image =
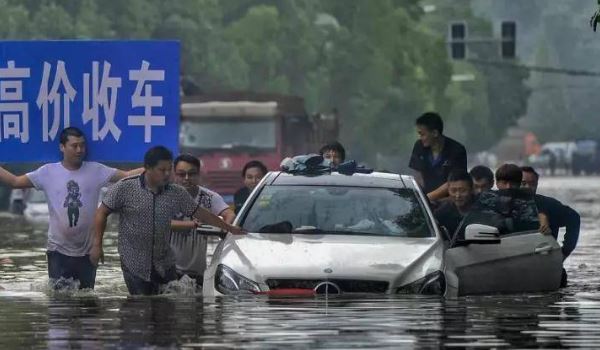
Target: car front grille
column 346, row 286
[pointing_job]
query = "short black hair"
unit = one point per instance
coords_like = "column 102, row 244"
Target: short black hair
column 481, row 172
column 188, row 158
column 432, row 121
column 70, row 131
column 336, row 147
column 510, row 173
column 254, row 164
column 460, row 175
column 529, row 169
column 155, row 155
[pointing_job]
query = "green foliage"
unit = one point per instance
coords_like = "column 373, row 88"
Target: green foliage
column 381, row 63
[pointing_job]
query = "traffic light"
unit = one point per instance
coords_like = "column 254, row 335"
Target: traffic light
column 508, row 46
column 458, row 44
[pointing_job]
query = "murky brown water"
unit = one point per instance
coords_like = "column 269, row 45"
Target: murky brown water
column 31, row 317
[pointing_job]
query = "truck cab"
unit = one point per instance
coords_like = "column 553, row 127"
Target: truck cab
column 225, row 131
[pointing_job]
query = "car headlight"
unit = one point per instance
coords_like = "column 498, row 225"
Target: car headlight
column 432, row 284
column 228, row 281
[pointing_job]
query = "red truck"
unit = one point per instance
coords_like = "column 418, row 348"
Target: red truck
column 227, row 130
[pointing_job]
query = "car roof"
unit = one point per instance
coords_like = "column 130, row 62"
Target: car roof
column 374, row 179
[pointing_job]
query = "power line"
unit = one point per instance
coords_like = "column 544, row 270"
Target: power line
column 540, row 69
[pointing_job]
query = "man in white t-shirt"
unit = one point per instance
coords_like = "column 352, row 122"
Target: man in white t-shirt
column 189, row 247
column 72, row 187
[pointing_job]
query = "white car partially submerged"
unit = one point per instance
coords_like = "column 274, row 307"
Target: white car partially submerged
column 369, row 233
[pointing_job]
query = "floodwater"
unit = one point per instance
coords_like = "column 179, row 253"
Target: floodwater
column 33, row 317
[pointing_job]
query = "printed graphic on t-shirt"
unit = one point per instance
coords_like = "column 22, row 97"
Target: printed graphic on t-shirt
column 205, row 199
column 73, row 202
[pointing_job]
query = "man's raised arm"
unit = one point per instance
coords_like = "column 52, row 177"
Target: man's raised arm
column 209, row 218
column 14, row 181
column 121, row 174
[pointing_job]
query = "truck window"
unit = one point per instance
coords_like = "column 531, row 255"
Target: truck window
column 228, row 133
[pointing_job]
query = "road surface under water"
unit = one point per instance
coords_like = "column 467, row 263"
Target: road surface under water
column 31, row 316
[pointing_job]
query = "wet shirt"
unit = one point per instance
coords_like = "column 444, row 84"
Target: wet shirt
column 72, row 197
column 189, row 247
column 447, row 215
column 145, row 223
column 560, row 215
column 239, row 198
column 435, row 171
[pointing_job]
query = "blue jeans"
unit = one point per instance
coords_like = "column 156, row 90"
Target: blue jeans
column 75, row 267
column 136, row 285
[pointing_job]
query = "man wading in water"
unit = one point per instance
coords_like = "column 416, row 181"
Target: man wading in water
column 72, row 187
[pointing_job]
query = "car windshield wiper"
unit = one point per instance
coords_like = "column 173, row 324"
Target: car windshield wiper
column 315, row 230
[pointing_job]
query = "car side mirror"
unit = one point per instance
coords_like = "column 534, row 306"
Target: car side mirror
column 482, row 234
column 208, row 230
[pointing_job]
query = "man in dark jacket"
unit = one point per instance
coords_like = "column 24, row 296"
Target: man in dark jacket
column 559, row 215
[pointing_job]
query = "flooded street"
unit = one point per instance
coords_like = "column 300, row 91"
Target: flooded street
column 32, row 317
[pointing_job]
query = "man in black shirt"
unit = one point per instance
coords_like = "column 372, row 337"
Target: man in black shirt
column 483, row 178
column 461, row 198
column 252, row 173
column 559, row 215
column 434, row 156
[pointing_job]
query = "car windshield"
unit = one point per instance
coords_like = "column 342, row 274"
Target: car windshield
column 338, row 210
column 36, row 197
column 228, row 133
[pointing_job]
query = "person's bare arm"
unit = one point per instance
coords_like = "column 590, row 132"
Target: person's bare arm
column 121, row 174
column 183, row 225
column 14, row 181
column 209, row 218
column 438, row 193
column 544, row 224
column 228, row 215
column 97, row 252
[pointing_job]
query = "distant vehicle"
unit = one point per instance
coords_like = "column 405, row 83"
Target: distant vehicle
column 227, row 130
column 586, row 157
column 369, row 233
column 36, row 209
column 554, row 156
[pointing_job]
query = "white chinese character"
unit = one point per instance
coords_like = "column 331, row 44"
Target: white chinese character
column 147, row 100
column 100, row 98
column 54, row 98
column 13, row 111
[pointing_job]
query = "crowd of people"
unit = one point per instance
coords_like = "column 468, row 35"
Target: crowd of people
column 441, row 169
column 161, row 204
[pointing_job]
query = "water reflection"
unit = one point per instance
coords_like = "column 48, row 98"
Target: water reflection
column 32, row 316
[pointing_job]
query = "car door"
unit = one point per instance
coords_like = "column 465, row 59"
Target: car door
column 521, row 262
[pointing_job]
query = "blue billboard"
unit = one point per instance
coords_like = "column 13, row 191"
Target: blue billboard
column 124, row 95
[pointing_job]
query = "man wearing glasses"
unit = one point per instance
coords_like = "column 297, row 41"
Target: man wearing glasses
column 188, row 246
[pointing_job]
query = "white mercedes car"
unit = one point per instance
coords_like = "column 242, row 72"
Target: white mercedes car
column 369, row 233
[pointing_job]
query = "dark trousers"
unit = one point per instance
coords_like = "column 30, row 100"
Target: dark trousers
column 76, row 267
column 137, row 286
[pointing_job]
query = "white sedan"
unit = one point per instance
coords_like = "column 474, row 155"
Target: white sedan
column 368, row 233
